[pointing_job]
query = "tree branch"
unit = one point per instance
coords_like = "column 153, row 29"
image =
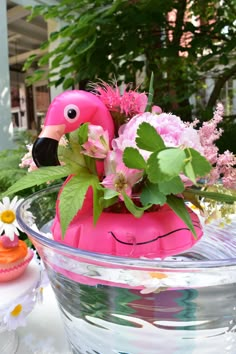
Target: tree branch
column 220, row 81
column 179, row 23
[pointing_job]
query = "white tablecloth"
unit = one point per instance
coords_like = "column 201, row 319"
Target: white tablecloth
column 43, row 333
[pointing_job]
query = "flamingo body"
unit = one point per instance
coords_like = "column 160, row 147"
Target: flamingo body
column 156, row 234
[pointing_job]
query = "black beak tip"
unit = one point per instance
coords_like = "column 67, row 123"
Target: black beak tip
column 44, row 152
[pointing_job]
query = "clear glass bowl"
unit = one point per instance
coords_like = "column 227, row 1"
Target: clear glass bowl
column 183, row 304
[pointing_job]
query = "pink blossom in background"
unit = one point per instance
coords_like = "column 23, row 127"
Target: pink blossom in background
column 98, row 142
column 225, row 165
column 27, row 160
column 209, row 133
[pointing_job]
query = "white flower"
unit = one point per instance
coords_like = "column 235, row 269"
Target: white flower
column 155, row 281
column 44, row 281
column 15, row 314
column 26, row 215
column 8, row 222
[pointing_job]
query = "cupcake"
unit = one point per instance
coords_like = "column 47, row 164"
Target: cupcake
column 14, row 258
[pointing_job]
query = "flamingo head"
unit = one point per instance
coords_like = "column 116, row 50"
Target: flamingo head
column 65, row 114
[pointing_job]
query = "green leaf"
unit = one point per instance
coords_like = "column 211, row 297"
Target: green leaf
column 171, row 161
column 173, row 186
column 189, row 172
column 134, row 209
column 152, row 195
column 83, row 133
column 220, row 197
column 200, row 166
column 109, row 193
column 29, row 61
column 133, row 159
column 85, row 45
column 97, row 205
column 39, row 176
column 109, row 197
column 72, row 198
column 68, row 83
column 192, row 198
column 154, row 172
column 148, row 138
column 57, row 60
column 179, row 207
column 44, row 60
column 150, row 94
column 72, row 158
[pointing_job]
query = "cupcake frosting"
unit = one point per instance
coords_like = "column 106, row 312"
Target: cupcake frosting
column 13, row 254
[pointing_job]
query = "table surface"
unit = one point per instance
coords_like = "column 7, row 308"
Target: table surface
column 44, row 332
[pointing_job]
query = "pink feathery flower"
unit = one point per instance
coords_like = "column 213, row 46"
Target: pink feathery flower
column 133, row 103
column 226, row 163
column 209, row 133
column 109, row 95
column 129, row 103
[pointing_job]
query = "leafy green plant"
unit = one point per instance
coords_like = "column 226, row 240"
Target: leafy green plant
column 122, row 39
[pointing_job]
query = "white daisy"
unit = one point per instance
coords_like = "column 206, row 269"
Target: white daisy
column 15, row 314
column 8, row 222
column 26, row 215
column 44, row 281
column 155, row 281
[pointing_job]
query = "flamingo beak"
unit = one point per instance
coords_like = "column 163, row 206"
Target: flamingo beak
column 44, row 150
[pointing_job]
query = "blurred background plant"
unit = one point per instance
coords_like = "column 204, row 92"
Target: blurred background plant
column 10, row 171
column 183, row 42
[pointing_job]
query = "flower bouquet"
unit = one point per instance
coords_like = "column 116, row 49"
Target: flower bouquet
column 120, row 247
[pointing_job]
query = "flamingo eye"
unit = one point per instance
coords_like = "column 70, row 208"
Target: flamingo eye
column 71, row 112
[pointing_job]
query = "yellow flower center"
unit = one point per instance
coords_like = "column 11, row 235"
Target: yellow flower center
column 158, row 275
column 17, row 310
column 120, row 182
column 7, row 216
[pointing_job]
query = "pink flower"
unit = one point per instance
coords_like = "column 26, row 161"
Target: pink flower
column 225, row 165
column 173, row 131
column 27, row 160
column 156, row 109
column 97, row 145
column 133, row 103
column 119, row 177
column 209, row 133
column 130, row 102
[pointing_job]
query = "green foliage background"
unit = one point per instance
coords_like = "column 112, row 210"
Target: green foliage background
column 121, row 39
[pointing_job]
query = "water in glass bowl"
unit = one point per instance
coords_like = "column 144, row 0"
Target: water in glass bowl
column 125, row 310
column 185, row 304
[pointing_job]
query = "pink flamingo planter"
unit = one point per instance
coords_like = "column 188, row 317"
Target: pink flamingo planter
column 158, row 233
